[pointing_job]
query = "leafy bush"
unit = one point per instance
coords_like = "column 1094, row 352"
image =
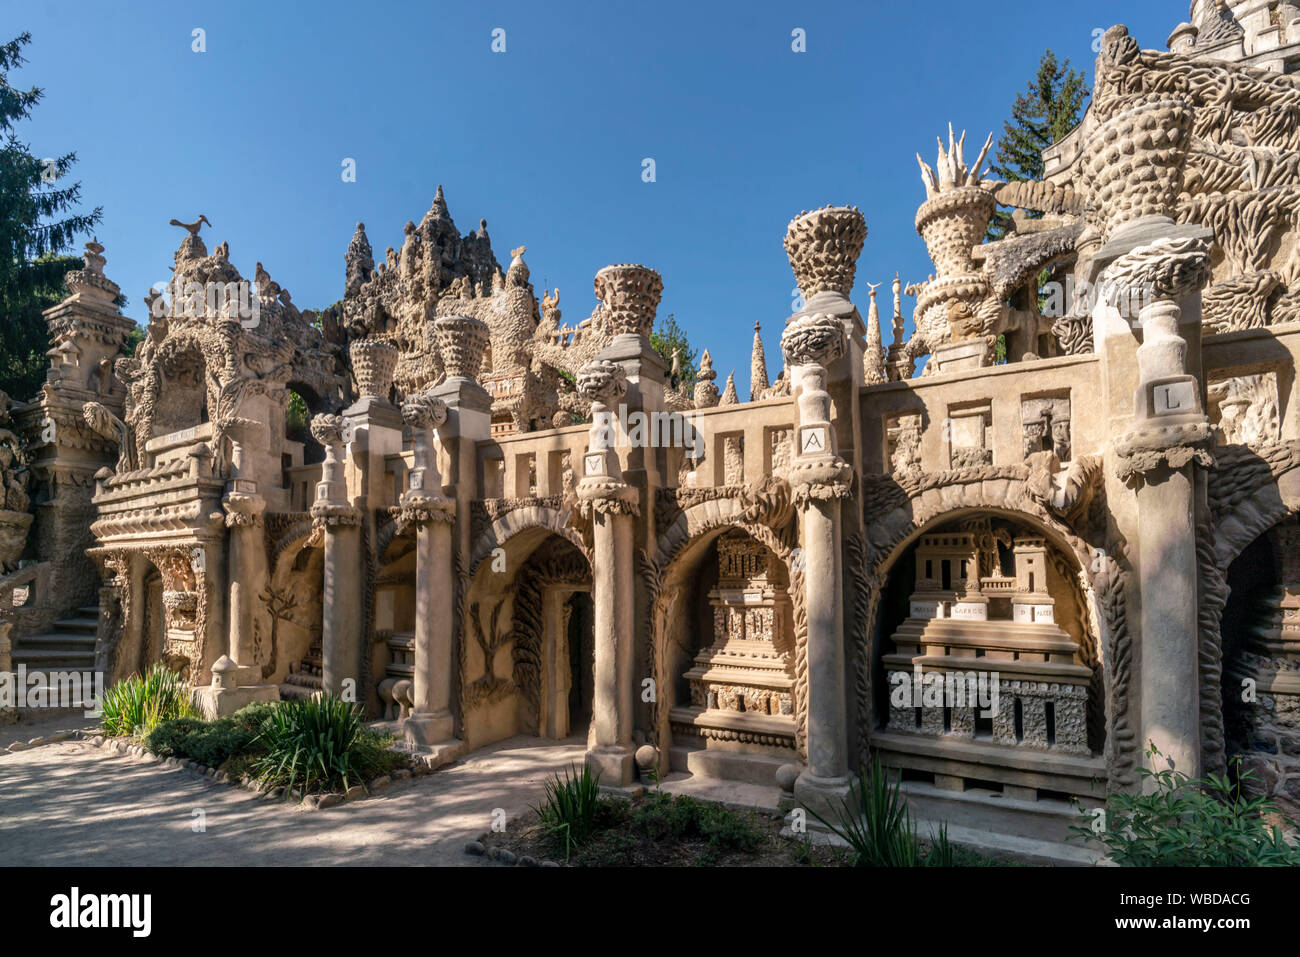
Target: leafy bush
column 1182, row 822
column 877, row 825
column 568, row 810
column 309, row 743
column 663, row 815
column 253, row 716
column 136, row 706
column 210, row 743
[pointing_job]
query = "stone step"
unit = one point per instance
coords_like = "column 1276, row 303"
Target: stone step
column 1030, row 831
column 88, row 611
column 54, row 658
column 288, row 692
column 727, row 765
column 304, row 681
column 80, row 625
column 66, row 642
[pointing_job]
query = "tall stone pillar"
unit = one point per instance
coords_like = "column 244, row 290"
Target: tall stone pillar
column 1163, row 455
column 819, row 480
column 462, row 343
column 248, row 566
column 423, row 504
column 610, row 504
column 340, row 523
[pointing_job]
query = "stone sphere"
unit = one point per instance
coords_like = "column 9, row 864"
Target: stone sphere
column 646, row 756
column 786, row 775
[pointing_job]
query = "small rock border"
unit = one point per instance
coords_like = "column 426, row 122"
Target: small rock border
column 478, row 848
column 130, row 749
column 54, row 738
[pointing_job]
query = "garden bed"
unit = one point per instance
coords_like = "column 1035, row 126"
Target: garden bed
column 315, row 750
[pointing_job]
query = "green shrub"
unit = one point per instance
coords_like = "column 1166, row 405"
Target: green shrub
column 210, row 743
column 568, row 810
column 662, row 816
column 136, row 706
column 253, row 716
column 877, row 825
column 1181, row 822
column 309, row 744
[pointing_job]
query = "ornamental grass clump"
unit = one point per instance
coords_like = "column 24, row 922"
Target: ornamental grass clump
column 135, row 706
column 309, row 744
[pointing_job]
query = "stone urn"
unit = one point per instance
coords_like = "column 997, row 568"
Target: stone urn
column 1133, row 163
column 373, row 363
column 630, row 294
column 952, row 223
column 13, row 536
column 462, row 341
column 823, row 247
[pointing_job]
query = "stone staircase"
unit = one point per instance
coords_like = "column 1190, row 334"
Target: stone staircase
column 303, row 679
column 69, row 646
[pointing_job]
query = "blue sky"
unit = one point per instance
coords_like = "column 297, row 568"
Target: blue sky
column 545, row 140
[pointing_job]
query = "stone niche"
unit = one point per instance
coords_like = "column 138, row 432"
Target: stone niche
column 742, row 682
column 1245, row 408
column 968, row 428
column 980, row 656
column 1045, row 421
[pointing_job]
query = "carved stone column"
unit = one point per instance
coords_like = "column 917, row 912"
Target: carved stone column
column 609, row 504
column 248, row 566
column 1160, row 455
column 423, row 504
column 819, row 479
column 341, row 599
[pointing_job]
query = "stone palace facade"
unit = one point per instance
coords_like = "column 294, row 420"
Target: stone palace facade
column 491, row 522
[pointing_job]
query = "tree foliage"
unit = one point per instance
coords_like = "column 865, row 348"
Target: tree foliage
column 1043, row 114
column 38, row 224
column 668, row 338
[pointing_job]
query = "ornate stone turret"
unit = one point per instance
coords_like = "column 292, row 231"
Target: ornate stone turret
column 729, row 394
column 359, row 260
column 706, row 392
column 631, row 296
column 462, row 340
column 873, row 359
column 757, row 367
column 952, row 221
column 823, row 247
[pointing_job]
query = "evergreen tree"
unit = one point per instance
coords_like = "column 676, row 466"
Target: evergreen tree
column 1043, row 114
column 668, row 337
column 36, row 228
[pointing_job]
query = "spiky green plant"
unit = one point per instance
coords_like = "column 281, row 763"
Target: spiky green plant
column 876, row 824
column 568, row 809
column 308, row 744
column 135, row 706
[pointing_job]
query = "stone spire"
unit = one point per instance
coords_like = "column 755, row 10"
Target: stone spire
column 359, row 261
column 729, row 396
column 757, row 367
column 873, row 358
column 706, row 393
column 438, row 211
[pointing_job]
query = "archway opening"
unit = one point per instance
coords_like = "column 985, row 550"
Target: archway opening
column 985, row 667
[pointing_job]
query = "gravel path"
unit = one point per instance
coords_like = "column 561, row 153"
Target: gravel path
column 71, row 803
